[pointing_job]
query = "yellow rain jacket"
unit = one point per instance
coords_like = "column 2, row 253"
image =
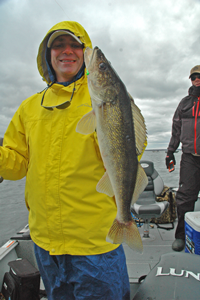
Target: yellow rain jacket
column 62, row 167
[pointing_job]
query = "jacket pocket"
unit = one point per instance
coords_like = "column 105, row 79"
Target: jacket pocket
column 187, row 134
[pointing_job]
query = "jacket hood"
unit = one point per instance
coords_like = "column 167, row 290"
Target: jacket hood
column 72, row 26
column 194, row 91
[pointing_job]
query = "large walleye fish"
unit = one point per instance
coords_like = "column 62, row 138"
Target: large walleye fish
column 121, row 135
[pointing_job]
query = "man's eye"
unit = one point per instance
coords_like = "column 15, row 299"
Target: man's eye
column 76, row 46
column 57, row 46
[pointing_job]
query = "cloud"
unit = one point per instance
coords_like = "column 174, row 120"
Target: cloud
column 151, row 44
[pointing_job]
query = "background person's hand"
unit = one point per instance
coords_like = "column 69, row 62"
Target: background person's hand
column 170, row 157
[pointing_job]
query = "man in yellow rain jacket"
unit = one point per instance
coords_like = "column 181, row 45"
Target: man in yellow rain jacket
column 68, row 219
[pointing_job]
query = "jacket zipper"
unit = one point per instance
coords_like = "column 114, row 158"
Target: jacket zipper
column 193, row 109
column 195, row 126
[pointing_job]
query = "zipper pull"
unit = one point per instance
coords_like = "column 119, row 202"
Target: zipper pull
column 193, row 109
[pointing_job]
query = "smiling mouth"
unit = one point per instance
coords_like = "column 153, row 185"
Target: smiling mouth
column 67, row 60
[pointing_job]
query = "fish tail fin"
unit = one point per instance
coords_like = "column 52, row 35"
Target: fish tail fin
column 127, row 233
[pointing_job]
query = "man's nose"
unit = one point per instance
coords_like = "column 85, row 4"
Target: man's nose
column 68, row 50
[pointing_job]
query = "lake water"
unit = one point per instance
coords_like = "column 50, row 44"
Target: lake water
column 14, row 214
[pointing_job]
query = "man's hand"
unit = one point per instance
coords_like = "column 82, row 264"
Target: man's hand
column 170, row 157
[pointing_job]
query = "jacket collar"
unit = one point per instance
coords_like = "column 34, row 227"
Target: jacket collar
column 194, row 91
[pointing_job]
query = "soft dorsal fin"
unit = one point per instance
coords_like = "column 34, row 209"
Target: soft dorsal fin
column 140, row 184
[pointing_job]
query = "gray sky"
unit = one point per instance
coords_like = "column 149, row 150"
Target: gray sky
column 152, row 44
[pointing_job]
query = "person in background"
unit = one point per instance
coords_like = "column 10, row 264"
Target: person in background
column 68, row 219
column 186, row 129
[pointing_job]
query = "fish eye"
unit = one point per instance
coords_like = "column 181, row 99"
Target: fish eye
column 102, row 66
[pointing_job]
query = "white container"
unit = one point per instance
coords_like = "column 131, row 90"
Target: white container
column 192, row 232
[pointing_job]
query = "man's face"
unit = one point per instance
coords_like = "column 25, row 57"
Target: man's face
column 195, row 79
column 66, row 57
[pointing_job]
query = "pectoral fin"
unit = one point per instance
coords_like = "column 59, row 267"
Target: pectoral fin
column 87, row 123
column 141, row 183
column 104, row 185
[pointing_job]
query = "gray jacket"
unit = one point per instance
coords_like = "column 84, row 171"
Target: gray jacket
column 186, row 123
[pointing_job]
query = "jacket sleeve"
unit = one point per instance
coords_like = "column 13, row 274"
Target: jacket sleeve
column 144, row 147
column 176, row 130
column 14, row 153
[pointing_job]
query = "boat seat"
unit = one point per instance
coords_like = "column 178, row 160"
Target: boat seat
column 146, row 206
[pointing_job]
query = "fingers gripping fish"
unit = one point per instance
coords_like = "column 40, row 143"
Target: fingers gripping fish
column 121, row 135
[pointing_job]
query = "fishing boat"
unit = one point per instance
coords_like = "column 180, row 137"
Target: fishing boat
column 140, row 266
column 19, row 246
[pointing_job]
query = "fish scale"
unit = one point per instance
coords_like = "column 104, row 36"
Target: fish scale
column 112, row 139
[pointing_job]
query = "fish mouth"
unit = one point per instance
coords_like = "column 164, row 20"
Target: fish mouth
column 88, row 55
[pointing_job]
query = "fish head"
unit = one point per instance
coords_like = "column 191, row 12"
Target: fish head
column 103, row 82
